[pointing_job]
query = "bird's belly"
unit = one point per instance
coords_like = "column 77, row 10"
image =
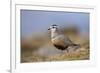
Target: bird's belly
column 58, row 42
column 60, row 47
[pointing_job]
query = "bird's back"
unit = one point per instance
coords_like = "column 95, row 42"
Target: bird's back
column 61, row 40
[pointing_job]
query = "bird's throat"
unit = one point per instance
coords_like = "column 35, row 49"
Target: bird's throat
column 54, row 34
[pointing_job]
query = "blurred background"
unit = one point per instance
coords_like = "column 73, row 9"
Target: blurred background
column 36, row 45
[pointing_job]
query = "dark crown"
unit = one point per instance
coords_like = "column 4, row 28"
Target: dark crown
column 54, row 25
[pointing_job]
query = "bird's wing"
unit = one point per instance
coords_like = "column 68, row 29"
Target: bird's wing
column 67, row 40
column 61, row 40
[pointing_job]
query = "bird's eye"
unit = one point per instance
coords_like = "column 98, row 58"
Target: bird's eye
column 53, row 27
column 49, row 29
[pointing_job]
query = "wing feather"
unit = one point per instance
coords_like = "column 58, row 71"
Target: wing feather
column 61, row 40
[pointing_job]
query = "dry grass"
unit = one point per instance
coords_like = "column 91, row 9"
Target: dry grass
column 30, row 47
column 80, row 54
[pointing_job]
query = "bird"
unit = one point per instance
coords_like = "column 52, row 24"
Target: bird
column 59, row 40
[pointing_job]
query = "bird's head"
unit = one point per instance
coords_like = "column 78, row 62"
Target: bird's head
column 53, row 27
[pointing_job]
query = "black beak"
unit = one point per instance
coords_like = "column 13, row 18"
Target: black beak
column 48, row 28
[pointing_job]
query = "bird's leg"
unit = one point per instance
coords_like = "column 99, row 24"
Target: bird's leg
column 67, row 50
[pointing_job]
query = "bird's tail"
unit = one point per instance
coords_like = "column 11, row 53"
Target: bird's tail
column 76, row 46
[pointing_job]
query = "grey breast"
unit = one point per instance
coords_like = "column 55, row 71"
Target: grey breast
column 61, row 40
